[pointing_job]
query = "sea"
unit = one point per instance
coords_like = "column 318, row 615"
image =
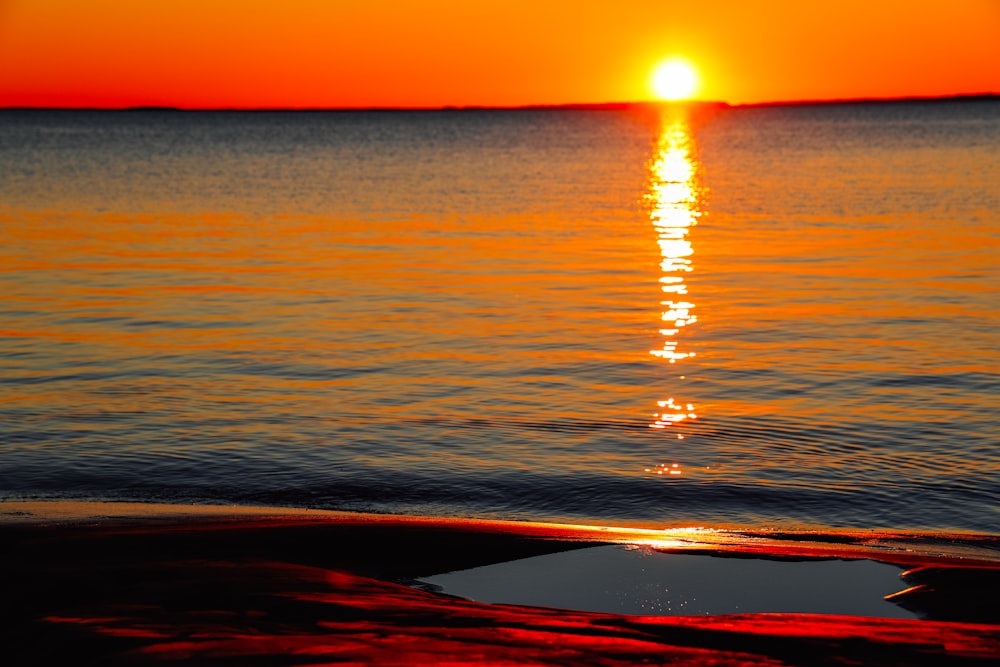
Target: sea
column 771, row 317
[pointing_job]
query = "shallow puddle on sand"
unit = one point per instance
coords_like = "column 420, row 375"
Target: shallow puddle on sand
column 641, row 581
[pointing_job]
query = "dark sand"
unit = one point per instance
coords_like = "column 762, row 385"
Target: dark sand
column 121, row 584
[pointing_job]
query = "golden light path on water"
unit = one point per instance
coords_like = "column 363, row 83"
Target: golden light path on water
column 674, row 202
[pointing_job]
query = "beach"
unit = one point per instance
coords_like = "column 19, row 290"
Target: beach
column 128, row 583
column 553, row 387
column 450, row 333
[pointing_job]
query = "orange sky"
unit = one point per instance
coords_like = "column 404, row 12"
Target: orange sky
column 321, row 53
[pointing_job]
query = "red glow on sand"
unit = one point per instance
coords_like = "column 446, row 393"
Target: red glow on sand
column 226, row 600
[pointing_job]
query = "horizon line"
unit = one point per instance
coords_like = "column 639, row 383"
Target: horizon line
column 568, row 106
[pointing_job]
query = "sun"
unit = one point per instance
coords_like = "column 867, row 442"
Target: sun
column 674, row 80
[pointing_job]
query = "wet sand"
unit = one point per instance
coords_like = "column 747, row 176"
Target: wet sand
column 129, row 584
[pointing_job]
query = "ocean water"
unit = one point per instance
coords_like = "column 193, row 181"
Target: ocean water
column 750, row 317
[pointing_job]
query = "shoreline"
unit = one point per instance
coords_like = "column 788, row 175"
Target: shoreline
column 974, row 96
column 896, row 546
column 131, row 583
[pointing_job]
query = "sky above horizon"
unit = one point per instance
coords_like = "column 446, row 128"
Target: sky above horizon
column 330, row 53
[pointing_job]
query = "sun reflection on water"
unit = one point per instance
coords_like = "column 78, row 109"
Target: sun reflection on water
column 674, row 200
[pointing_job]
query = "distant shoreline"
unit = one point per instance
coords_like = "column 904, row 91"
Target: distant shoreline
column 573, row 106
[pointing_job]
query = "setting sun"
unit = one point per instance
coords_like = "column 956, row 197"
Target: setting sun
column 674, row 80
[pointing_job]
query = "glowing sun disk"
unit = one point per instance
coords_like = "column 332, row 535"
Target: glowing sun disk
column 674, row 80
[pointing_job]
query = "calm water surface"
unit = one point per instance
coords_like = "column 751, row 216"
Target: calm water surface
column 769, row 317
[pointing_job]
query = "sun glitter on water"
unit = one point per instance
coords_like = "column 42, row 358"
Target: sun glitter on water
column 674, row 80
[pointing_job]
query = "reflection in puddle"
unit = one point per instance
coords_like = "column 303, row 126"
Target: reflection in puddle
column 641, row 581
